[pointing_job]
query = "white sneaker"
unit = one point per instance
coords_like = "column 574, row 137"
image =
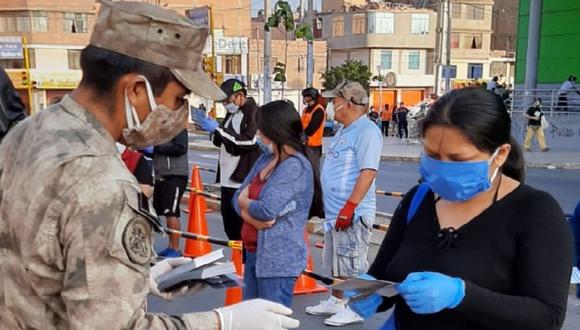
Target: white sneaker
column 330, row 306
column 344, row 317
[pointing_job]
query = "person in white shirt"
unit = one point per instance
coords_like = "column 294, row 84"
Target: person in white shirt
column 492, row 84
column 567, row 86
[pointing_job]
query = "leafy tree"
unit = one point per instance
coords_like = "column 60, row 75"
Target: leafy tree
column 283, row 19
column 351, row 70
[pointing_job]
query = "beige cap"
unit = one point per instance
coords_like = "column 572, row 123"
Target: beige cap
column 351, row 91
column 159, row 36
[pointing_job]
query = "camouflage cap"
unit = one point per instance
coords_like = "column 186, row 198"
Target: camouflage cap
column 159, row 36
column 351, row 91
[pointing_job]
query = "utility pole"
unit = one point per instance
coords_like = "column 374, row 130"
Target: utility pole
column 448, row 55
column 380, row 107
column 258, row 60
column 310, row 47
column 439, row 46
column 302, row 10
column 267, row 56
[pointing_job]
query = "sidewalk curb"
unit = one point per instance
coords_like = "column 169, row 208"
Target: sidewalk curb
column 415, row 159
column 550, row 166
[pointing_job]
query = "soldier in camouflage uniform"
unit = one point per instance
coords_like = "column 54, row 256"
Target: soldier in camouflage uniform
column 75, row 229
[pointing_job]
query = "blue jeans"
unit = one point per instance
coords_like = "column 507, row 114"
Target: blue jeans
column 276, row 289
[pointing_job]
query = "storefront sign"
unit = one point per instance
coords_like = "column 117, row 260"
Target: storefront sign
column 199, row 15
column 227, row 45
column 57, row 80
column 11, row 48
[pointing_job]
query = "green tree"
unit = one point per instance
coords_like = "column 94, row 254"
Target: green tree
column 283, row 19
column 350, row 70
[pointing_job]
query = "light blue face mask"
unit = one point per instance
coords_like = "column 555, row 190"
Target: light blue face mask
column 457, row 181
column 268, row 149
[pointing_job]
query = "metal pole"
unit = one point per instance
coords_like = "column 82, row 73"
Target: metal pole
column 27, row 68
column 213, row 56
column 439, row 47
column 310, row 47
column 258, row 60
column 380, row 90
column 448, row 55
column 267, row 56
column 534, row 28
column 302, row 9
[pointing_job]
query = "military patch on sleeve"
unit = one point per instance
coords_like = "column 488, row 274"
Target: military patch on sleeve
column 137, row 240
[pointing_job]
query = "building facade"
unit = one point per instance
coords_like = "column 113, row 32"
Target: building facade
column 396, row 42
column 55, row 32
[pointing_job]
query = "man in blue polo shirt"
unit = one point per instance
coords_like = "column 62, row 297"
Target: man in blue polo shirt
column 348, row 182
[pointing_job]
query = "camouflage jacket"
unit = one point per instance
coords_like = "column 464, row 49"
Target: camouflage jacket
column 74, row 245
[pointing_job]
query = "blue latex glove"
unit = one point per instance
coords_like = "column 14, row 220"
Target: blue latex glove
column 429, row 292
column 147, row 150
column 365, row 307
column 207, row 124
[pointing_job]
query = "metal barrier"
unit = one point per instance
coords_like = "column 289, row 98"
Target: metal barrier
column 552, row 100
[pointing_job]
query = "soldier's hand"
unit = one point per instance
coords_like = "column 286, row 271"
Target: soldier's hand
column 256, row 314
column 163, row 267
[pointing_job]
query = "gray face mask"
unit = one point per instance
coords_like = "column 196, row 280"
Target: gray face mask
column 160, row 126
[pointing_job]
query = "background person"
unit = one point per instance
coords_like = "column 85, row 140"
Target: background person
column 348, row 181
column 567, row 86
column 12, row 110
column 401, row 118
column 236, row 138
column 171, row 167
column 479, row 252
column 534, row 115
column 276, row 199
column 313, row 118
column 386, row 117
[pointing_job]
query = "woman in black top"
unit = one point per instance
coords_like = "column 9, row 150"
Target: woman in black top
column 483, row 250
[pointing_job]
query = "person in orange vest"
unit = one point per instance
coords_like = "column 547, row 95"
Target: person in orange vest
column 386, row 117
column 313, row 118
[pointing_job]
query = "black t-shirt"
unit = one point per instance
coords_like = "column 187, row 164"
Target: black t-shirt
column 533, row 112
column 515, row 259
column 401, row 115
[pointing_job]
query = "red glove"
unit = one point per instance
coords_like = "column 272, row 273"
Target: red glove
column 345, row 216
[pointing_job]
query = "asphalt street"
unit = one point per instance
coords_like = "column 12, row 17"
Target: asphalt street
column 564, row 185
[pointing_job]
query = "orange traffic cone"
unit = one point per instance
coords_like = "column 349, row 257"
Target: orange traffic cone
column 197, row 222
column 234, row 295
column 306, row 284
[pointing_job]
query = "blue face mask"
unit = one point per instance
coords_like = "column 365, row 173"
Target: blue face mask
column 457, row 181
column 266, row 148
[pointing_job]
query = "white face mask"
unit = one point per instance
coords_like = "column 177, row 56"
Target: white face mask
column 161, row 125
column 231, row 107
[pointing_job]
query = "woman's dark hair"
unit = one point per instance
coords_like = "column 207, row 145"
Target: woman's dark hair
column 279, row 121
column 103, row 68
column 483, row 119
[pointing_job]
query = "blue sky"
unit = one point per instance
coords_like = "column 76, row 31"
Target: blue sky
column 259, row 4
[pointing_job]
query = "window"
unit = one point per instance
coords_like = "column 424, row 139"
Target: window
column 450, row 71
column 472, row 41
column 475, row 12
column 381, row 23
column 419, row 24
column 497, row 69
column 454, row 40
column 474, row 71
column 75, row 23
column 456, row 10
column 233, row 64
column 359, row 24
column 74, row 59
column 386, row 59
column 430, row 66
column 414, row 60
column 30, row 21
column 337, row 26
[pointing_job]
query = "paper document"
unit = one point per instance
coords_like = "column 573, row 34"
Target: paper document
column 365, row 288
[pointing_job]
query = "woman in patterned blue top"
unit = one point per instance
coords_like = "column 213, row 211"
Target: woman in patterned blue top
column 275, row 200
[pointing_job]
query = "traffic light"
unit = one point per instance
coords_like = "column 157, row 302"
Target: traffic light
column 24, row 78
column 208, row 64
column 280, row 72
